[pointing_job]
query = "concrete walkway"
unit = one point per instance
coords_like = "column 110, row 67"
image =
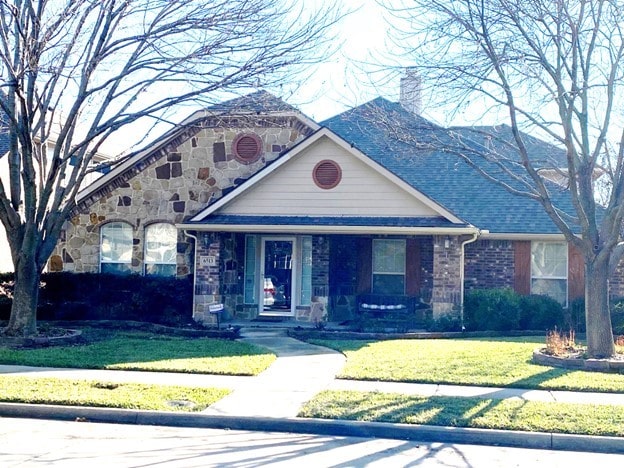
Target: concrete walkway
column 300, row 371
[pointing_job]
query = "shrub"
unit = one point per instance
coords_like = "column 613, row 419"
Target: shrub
column 95, row 296
column 540, row 313
column 558, row 344
column 617, row 315
column 446, row 323
column 492, row 309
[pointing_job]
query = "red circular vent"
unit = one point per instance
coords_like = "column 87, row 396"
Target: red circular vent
column 327, row 174
column 247, row 148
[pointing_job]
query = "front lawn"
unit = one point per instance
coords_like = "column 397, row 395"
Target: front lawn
column 109, row 395
column 132, row 350
column 498, row 362
column 512, row 414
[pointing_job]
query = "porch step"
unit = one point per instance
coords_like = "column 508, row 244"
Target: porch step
column 257, row 332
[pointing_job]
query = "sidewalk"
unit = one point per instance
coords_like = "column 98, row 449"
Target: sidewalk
column 271, row 400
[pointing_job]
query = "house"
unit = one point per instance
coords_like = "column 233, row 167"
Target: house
column 276, row 215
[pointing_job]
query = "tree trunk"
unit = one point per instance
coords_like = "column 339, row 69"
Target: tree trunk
column 23, row 321
column 598, row 317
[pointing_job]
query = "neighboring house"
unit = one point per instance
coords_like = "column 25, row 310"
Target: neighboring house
column 6, row 262
column 275, row 215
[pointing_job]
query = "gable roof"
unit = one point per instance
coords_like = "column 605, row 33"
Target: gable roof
column 252, row 105
column 413, row 148
column 307, row 143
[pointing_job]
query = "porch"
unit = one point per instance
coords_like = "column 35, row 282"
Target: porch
column 384, row 282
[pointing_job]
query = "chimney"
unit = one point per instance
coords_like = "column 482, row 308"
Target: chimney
column 410, row 97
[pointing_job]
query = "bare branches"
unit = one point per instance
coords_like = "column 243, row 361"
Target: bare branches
column 73, row 72
column 556, row 67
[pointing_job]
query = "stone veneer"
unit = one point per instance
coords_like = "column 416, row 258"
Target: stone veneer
column 170, row 184
column 446, row 274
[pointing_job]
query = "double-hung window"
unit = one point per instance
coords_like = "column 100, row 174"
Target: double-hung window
column 160, row 249
column 388, row 266
column 116, row 248
column 549, row 270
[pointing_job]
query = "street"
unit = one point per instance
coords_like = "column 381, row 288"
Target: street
column 30, row 442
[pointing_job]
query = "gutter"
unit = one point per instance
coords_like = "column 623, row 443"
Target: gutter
column 187, row 234
column 319, row 229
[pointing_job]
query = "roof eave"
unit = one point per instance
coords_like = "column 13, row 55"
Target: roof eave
column 320, row 229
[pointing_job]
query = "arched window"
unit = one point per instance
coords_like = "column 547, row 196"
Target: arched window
column 116, row 248
column 160, row 249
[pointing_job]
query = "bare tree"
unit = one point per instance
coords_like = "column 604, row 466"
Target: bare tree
column 555, row 69
column 73, row 72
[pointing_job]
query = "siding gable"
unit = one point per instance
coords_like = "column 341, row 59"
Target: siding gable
column 291, row 190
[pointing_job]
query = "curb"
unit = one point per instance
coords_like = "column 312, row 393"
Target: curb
column 424, row 433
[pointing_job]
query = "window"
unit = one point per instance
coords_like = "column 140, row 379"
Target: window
column 388, row 266
column 251, row 250
column 160, row 249
column 116, row 248
column 306, row 270
column 549, row 270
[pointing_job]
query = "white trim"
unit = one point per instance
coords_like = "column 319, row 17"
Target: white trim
column 519, row 236
column 301, row 147
column 293, row 275
column 316, row 229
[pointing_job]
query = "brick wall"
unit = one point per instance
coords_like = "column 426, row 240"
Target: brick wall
column 489, row 264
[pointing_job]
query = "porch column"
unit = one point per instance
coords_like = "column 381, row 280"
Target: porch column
column 446, row 294
column 207, row 285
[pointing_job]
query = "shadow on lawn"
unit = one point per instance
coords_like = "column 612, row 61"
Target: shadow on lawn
column 444, row 410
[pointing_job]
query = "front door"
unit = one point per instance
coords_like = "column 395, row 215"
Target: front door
column 277, row 273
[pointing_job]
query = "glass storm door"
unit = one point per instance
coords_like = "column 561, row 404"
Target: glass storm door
column 277, row 272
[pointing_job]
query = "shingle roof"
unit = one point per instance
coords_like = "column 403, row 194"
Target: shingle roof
column 238, row 220
column 258, row 102
column 412, row 148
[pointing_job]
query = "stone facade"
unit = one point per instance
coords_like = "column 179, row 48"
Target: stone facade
column 446, row 274
column 170, row 184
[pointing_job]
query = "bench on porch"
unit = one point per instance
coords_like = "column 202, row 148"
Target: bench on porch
column 383, row 312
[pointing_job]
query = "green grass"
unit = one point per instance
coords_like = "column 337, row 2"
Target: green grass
column 513, row 414
column 103, row 394
column 498, row 362
column 130, row 350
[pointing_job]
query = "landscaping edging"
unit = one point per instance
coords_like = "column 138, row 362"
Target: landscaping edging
column 225, row 333
column 70, row 337
column 306, row 333
column 593, row 365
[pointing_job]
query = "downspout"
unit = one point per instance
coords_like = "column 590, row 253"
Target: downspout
column 475, row 236
column 187, row 234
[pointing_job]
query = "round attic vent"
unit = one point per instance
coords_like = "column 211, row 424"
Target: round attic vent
column 247, row 148
column 327, row 174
